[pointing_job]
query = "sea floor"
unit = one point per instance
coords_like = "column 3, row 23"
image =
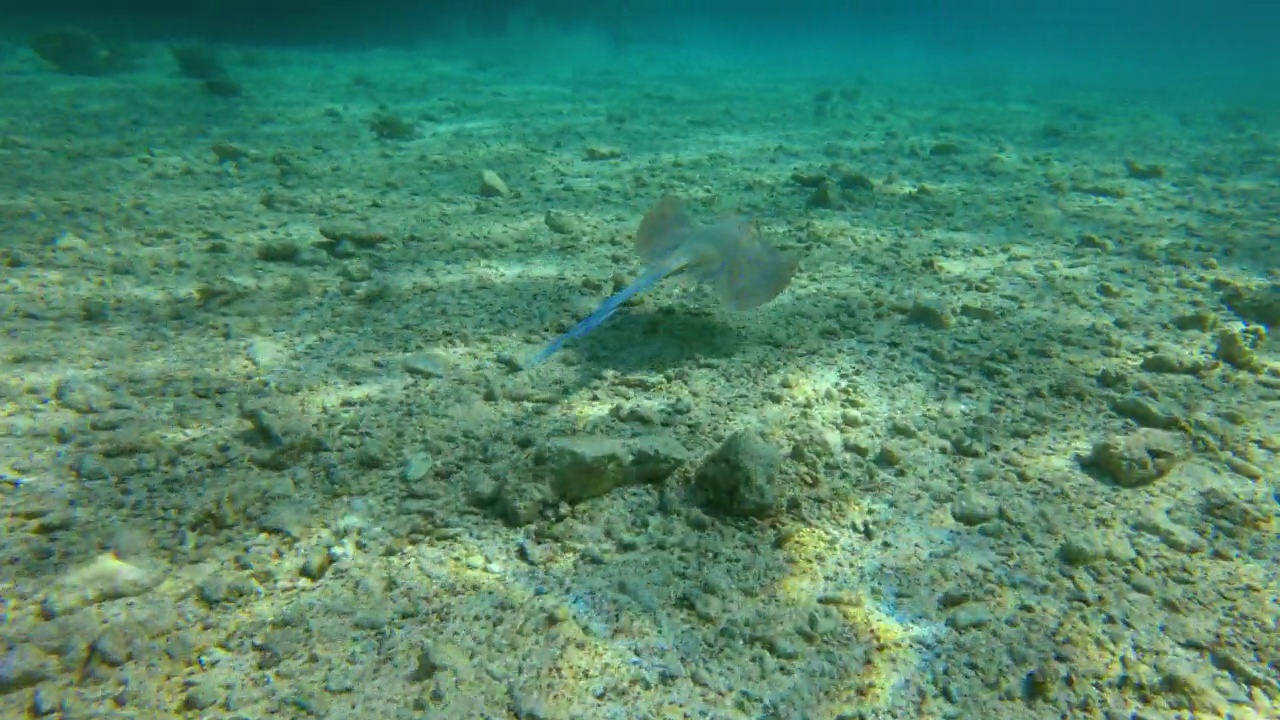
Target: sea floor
column 1007, row 447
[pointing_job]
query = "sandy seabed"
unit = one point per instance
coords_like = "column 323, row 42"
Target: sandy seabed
column 1007, row 447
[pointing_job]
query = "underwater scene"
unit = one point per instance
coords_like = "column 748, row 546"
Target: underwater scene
column 662, row 360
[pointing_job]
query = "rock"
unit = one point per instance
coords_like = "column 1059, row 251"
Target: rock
column 931, row 315
column 972, row 508
column 1173, row 363
column 198, row 62
column 280, row 250
column 1234, row 514
column 388, row 126
column 1138, row 171
column 21, row 667
column 655, row 457
column 316, row 564
column 1140, row 458
column 113, row 647
column 353, row 234
column 76, row 52
column 43, row 703
column 601, row 152
column 91, row 467
column 1238, row 349
column 265, row 353
column 1178, row 678
column 520, row 502
column 1199, row 320
column 107, row 578
column 944, row 149
column 82, row 397
column 1176, row 537
column 417, row 467
column 826, row 196
column 1255, row 304
column 582, row 467
column 202, row 697
column 561, row 223
column 492, row 186
column 436, row 657
column 970, row 615
column 1082, row 549
column 425, row 365
column 741, row 478
column 1145, row 411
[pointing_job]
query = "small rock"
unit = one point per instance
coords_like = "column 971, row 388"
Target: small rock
column 561, row 223
column 931, row 315
column 1138, row 459
column 316, row 564
column 969, row 615
column 1199, row 320
column 436, row 657
column 112, row 647
column 354, row 235
column 1138, row 171
column 70, row 242
column 417, row 467
column 492, row 186
column 1145, row 411
column 107, row 578
column 596, row 152
column 1082, row 549
column 740, row 478
column 1173, row 363
column 972, row 508
column 21, row 667
column 1243, row 467
column 944, row 149
column 91, row 467
column 1256, row 304
column 826, row 196
column 1237, row 351
column 582, row 467
column 82, row 397
column 42, row 703
column 202, row 697
column 340, row 680
column 278, row 251
column 213, row 590
column 265, row 354
column 426, row 365
column 1175, row 536
column 891, row 454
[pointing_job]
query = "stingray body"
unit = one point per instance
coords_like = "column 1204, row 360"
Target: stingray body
column 728, row 256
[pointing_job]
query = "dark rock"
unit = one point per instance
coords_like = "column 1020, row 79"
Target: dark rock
column 76, row 52
column 1255, row 304
column 578, row 468
column 741, row 478
column 198, row 62
column 1138, row 459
